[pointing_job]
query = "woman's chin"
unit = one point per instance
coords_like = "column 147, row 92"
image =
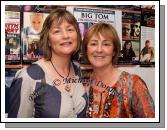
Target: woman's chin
column 67, row 53
column 98, row 65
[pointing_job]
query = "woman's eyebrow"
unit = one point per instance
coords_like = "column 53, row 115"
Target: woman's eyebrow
column 94, row 40
column 106, row 40
column 58, row 27
column 55, row 27
column 69, row 26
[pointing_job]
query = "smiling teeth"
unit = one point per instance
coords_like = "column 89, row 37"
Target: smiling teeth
column 99, row 56
column 66, row 43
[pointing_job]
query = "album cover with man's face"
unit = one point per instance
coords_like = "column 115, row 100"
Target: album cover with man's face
column 30, row 34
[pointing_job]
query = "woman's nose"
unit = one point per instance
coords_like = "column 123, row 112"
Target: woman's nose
column 99, row 48
column 65, row 34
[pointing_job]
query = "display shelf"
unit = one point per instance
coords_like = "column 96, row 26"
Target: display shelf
column 15, row 66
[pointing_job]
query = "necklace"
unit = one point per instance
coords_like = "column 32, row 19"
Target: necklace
column 58, row 72
column 105, row 113
column 67, row 87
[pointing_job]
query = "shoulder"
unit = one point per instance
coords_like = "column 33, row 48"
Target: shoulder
column 137, row 78
column 134, row 77
column 137, row 82
column 134, row 81
column 21, row 72
column 126, row 75
column 33, row 71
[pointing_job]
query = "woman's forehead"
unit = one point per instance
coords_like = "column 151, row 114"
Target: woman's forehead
column 101, row 35
column 58, row 23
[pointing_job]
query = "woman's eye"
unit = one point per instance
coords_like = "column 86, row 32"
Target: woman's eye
column 70, row 29
column 106, row 44
column 93, row 44
column 57, row 31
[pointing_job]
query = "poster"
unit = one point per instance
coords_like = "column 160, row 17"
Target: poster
column 131, row 28
column 12, row 37
column 122, row 7
column 148, row 16
column 32, row 26
column 147, row 49
column 129, row 53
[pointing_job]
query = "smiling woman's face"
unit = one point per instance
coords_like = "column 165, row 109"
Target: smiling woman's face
column 63, row 38
column 100, row 51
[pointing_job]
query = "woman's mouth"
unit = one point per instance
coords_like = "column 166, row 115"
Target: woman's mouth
column 99, row 57
column 66, row 43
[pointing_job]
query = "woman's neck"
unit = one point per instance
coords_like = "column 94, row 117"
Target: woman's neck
column 62, row 63
column 100, row 72
column 108, row 75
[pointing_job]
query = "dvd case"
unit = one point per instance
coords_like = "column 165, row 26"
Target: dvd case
column 12, row 37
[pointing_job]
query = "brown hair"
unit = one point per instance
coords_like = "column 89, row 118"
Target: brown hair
column 105, row 30
column 57, row 16
column 147, row 41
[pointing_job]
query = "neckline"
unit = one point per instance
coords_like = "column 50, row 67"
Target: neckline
column 50, row 81
column 58, row 72
column 115, row 84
